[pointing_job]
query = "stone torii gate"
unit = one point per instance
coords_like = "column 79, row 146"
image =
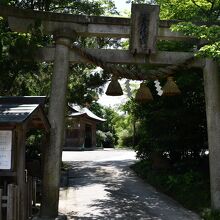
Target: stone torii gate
column 144, row 29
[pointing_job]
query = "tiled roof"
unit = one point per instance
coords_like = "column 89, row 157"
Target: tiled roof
column 15, row 113
column 77, row 111
column 23, row 100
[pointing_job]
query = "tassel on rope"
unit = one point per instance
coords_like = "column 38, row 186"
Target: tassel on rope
column 114, row 88
column 143, row 94
column 171, row 88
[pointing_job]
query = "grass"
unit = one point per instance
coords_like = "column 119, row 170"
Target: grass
column 188, row 187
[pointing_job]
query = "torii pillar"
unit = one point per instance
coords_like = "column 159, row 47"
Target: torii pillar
column 19, row 21
column 57, row 107
column 212, row 98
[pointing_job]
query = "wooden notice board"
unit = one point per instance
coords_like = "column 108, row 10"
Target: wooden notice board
column 5, row 149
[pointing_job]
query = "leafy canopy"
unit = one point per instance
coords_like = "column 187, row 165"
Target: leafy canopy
column 194, row 12
column 19, row 77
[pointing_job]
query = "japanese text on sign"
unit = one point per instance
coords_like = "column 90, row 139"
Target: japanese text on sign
column 5, row 149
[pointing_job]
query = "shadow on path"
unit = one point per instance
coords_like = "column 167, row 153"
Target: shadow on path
column 110, row 190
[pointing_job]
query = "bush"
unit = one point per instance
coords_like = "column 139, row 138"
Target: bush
column 125, row 139
column 105, row 139
column 100, row 138
column 209, row 214
column 190, row 188
column 109, row 140
column 34, row 144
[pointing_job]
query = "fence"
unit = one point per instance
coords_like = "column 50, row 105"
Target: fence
column 9, row 204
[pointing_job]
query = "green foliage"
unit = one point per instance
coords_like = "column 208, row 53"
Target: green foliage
column 108, row 114
column 110, row 125
column 83, row 7
column 209, row 214
column 125, row 139
column 85, row 89
column 189, row 10
column 190, row 188
column 212, row 51
column 106, row 134
column 178, row 46
column 100, row 138
column 209, row 35
column 173, row 125
column 19, row 77
column 34, row 144
column 105, row 139
column 22, row 78
column 117, row 130
column 124, row 131
column 202, row 32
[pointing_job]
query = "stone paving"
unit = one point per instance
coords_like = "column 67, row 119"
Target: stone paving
column 101, row 186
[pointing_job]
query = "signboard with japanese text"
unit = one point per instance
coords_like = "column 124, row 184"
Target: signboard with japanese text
column 5, row 149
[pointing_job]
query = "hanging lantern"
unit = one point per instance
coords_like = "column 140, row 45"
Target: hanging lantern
column 114, row 88
column 143, row 94
column 170, row 88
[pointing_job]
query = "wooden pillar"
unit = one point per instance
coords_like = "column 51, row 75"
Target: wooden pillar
column 93, row 135
column 82, row 133
column 57, row 107
column 78, row 137
column 1, row 194
column 212, row 97
column 21, row 176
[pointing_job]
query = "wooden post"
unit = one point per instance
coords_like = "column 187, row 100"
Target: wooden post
column 57, row 107
column 34, row 191
column 29, row 196
column 134, row 133
column 21, row 177
column 212, row 97
column 93, row 125
column 12, row 202
column 16, row 202
column 0, row 204
column 82, row 133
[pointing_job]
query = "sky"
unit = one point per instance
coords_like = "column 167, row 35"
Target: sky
column 113, row 101
column 121, row 5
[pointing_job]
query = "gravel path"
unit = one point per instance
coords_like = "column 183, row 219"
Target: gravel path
column 101, row 186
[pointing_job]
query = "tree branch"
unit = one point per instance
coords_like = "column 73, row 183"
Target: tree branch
column 201, row 8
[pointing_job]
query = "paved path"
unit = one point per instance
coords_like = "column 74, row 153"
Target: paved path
column 101, row 186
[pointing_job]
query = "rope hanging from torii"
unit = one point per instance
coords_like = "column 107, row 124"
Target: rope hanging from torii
column 123, row 72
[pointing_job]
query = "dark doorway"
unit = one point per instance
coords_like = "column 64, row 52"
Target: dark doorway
column 88, row 136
